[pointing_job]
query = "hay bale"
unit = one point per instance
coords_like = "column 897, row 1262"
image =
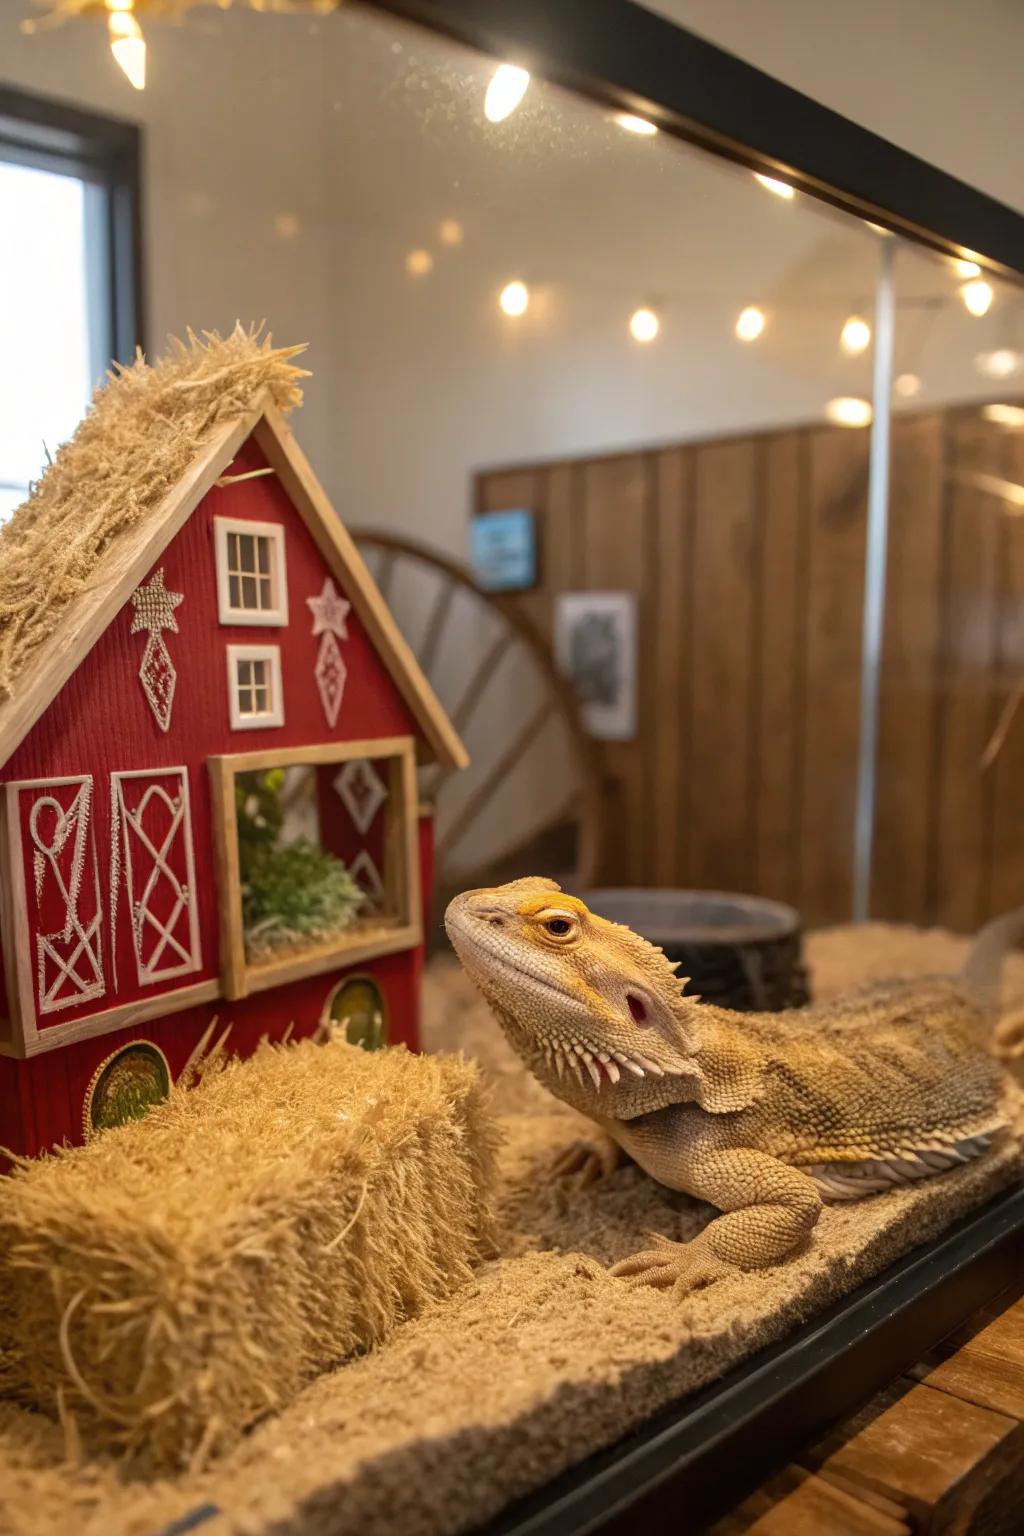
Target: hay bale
column 176, row 1278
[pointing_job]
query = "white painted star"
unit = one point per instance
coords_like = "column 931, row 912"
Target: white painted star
column 330, row 610
column 154, row 606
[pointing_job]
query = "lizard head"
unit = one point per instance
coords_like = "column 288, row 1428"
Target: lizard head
column 594, row 1010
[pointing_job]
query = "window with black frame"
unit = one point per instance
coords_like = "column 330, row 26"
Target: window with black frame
column 70, row 253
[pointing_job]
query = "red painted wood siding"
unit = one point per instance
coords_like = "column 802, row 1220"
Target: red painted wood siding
column 101, row 721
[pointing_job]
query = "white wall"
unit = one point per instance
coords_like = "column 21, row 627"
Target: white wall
column 291, row 164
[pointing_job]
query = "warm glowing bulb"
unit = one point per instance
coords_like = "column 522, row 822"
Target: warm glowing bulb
column 967, row 268
column 907, row 385
column 419, row 263
column 1004, row 415
column 634, row 124
column 505, row 92
column 514, row 298
column 128, row 45
column 780, row 188
column 998, row 364
column 977, row 296
column 847, row 411
column 750, row 323
column 450, row 231
column 855, row 335
column 644, row 325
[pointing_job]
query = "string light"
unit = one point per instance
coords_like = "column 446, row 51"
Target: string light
column 751, row 323
column 977, row 296
column 634, row 124
column 1004, row 415
column 644, row 325
column 514, row 298
column 451, row 232
column 847, row 411
column 127, row 43
column 967, row 268
column 505, row 91
column 419, row 263
column 855, row 336
column 780, row 188
column 907, row 385
column 998, row 364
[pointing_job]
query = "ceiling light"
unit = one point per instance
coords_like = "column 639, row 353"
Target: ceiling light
column 286, row 226
column 419, row 263
column 1004, row 415
column 846, row 411
column 977, row 295
column 514, row 298
column 855, row 336
column 907, row 385
column 127, row 43
column 644, row 325
column 633, row 124
column 967, row 268
column 998, row 364
column 451, row 232
column 505, row 92
column 780, row 188
column 750, row 323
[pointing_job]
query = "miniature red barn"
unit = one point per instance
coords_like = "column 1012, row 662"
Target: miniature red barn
column 232, row 631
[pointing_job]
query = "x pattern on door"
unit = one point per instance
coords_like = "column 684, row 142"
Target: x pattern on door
column 152, row 822
column 68, row 916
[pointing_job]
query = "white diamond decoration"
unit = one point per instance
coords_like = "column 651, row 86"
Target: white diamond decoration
column 362, row 792
column 154, row 609
column 367, row 876
column 330, row 674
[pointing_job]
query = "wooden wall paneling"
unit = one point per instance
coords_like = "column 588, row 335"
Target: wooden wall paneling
column 905, row 807
column 835, row 597
column 964, row 696
column 1006, row 790
column 615, row 510
column 720, row 805
column 779, row 658
column 671, row 677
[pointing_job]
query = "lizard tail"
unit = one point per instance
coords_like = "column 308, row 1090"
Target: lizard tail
column 982, row 969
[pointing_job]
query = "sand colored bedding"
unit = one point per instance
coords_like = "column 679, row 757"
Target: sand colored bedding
column 541, row 1358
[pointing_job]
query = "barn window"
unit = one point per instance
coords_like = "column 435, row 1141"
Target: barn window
column 251, row 580
column 255, row 696
column 317, row 857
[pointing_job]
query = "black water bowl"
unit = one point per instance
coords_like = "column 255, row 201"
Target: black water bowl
column 741, row 952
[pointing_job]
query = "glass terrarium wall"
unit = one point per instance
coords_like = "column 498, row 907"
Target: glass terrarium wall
column 949, row 829
column 663, row 363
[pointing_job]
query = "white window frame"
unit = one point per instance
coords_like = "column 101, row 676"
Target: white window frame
column 275, row 715
column 274, row 532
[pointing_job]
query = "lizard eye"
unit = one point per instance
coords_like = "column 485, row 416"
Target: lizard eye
column 560, row 925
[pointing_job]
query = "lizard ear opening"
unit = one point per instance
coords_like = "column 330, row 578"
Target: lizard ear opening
column 637, row 1008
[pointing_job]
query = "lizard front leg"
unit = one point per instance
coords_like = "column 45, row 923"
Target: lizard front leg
column 769, row 1209
column 589, row 1159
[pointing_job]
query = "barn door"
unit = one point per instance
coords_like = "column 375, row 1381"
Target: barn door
column 153, row 862
column 65, row 915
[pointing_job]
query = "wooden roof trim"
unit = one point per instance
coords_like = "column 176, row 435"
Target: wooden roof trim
column 338, row 549
column 111, row 585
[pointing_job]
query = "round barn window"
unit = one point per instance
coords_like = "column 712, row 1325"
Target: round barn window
column 359, row 1013
column 126, row 1086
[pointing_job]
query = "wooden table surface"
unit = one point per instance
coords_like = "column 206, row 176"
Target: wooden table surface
column 940, row 1450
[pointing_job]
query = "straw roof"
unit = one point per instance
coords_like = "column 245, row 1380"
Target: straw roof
column 143, row 429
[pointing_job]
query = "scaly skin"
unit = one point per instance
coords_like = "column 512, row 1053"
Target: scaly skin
column 763, row 1115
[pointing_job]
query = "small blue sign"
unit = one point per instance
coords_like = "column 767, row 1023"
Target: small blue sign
column 503, row 549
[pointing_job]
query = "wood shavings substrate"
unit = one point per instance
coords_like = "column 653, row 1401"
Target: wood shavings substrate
column 541, row 1359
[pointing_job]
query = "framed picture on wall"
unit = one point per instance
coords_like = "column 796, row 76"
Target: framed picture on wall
column 595, row 648
column 503, row 546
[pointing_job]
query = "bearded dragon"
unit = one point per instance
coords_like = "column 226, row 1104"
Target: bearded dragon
column 765, row 1116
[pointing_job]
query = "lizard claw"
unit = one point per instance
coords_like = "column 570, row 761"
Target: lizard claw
column 587, row 1161
column 677, row 1267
